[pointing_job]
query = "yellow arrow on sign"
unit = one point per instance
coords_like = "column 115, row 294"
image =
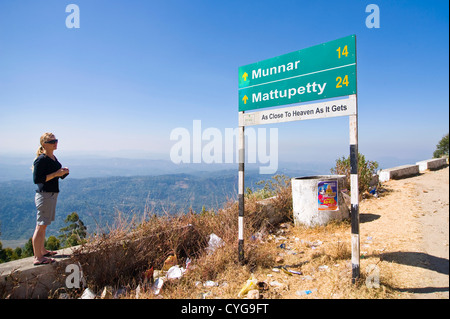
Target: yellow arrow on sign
column 245, row 98
column 245, row 76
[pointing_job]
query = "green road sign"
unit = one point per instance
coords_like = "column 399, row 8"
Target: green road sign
column 319, row 72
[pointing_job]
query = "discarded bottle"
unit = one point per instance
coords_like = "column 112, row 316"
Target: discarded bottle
column 156, row 288
column 188, row 262
column 305, row 292
column 249, row 285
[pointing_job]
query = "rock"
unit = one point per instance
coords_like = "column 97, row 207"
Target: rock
column 347, row 200
column 253, row 294
column 262, row 285
column 279, row 260
column 276, row 284
column 267, row 212
column 210, row 283
column 323, row 268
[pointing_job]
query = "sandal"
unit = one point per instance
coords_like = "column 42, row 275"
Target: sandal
column 50, row 253
column 44, row 261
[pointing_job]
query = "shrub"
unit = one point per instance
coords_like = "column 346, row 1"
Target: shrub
column 366, row 169
column 442, row 147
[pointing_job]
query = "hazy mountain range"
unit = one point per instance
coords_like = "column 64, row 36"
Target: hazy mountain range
column 99, row 188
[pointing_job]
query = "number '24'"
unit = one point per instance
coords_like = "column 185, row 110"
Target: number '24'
column 341, row 81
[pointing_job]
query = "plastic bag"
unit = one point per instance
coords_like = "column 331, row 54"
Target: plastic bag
column 214, row 243
column 175, row 272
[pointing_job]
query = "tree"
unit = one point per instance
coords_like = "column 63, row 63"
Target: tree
column 75, row 233
column 27, row 250
column 442, row 147
column 18, row 252
column 52, row 243
column 2, row 254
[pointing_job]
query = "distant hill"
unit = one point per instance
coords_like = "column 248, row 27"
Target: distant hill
column 98, row 200
column 19, row 167
column 99, row 187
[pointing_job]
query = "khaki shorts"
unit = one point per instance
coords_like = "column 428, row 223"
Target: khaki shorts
column 46, row 207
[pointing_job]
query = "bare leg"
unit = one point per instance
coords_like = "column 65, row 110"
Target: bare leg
column 38, row 242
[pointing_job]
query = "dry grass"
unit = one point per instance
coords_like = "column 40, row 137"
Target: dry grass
column 322, row 254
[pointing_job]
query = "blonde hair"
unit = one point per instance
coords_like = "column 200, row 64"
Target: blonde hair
column 44, row 138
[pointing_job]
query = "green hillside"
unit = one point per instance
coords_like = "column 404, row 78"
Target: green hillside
column 99, row 200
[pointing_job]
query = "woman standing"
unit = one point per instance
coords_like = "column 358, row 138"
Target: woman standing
column 46, row 174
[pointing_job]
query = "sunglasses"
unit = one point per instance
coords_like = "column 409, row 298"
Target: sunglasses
column 52, row 141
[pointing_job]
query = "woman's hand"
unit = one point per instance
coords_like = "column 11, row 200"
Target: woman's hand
column 62, row 171
column 59, row 173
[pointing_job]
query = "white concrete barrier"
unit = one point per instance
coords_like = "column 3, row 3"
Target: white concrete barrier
column 398, row 172
column 431, row 164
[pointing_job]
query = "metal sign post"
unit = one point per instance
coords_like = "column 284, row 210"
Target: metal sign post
column 354, row 185
column 241, row 192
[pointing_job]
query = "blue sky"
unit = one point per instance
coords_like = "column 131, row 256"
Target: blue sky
column 135, row 70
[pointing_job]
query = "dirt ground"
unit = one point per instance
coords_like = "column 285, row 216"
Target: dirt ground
column 404, row 235
column 412, row 222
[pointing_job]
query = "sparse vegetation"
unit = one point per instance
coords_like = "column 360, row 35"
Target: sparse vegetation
column 131, row 247
column 366, row 170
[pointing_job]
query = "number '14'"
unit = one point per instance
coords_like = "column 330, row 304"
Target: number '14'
column 344, row 51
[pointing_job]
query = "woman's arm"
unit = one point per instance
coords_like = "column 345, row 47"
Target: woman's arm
column 58, row 173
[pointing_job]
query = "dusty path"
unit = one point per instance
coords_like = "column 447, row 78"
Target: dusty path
column 410, row 227
column 433, row 198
